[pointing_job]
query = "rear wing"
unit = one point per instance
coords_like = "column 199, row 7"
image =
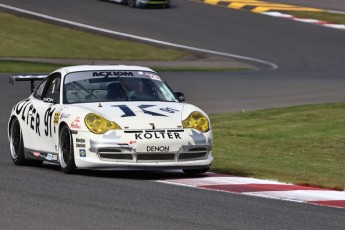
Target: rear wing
column 32, row 78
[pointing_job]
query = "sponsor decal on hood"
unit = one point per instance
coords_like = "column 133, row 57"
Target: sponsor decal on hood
column 140, row 115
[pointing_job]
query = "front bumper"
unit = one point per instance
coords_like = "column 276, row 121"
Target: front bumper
column 144, row 149
column 154, row 2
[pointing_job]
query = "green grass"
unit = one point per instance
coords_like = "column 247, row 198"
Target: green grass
column 38, row 67
column 303, row 145
column 322, row 16
column 21, row 37
column 25, row 38
column 27, row 67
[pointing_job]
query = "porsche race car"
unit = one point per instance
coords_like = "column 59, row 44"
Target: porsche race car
column 112, row 116
column 144, row 3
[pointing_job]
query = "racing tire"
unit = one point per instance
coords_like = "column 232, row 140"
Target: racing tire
column 132, row 3
column 166, row 6
column 66, row 151
column 192, row 172
column 16, row 143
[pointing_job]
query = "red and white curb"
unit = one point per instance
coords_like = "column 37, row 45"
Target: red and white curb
column 306, row 20
column 263, row 188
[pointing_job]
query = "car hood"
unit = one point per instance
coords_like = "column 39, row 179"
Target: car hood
column 140, row 115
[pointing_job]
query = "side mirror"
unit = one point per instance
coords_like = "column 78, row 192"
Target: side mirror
column 180, row 96
column 52, row 98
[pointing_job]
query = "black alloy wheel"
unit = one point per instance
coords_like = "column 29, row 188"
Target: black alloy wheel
column 66, row 153
column 132, row 3
column 16, row 143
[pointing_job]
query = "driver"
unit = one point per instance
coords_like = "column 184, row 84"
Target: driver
column 134, row 86
column 115, row 91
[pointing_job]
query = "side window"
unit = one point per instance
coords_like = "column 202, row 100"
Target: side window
column 51, row 93
column 53, row 86
column 39, row 91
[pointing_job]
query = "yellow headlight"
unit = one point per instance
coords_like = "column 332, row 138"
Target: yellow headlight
column 196, row 120
column 99, row 125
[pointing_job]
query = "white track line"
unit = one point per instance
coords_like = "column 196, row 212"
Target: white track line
column 262, row 188
column 301, row 195
column 306, row 20
column 81, row 25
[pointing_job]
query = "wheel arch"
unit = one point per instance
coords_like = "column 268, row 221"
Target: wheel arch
column 70, row 167
column 10, row 124
column 63, row 123
column 57, row 137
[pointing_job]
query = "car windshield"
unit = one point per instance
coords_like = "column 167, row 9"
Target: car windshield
column 103, row 86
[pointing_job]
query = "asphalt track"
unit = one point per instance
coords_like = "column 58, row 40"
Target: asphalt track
column 311, row 70
column 292, row 46
column 45, row 198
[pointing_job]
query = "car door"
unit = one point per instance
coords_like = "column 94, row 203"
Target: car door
column 46, row 104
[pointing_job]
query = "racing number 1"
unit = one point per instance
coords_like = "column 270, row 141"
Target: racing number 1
column 129, row 113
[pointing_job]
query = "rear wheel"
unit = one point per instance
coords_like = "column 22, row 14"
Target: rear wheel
column 132, row 3
column 16, row 143
column 66, row 153
column 192, row 172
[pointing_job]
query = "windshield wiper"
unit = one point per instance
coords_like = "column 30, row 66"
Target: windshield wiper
column 123, row 88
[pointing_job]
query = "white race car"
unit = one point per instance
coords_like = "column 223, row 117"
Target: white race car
column 111, row 116
column 144, row 3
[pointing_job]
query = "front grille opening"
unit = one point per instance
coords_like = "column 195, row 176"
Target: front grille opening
column 155, row 157
column 190, row 156
column 114, row 154
column 197, row 149
column 108, row 150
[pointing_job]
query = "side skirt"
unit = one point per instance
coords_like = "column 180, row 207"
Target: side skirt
column 31, row 154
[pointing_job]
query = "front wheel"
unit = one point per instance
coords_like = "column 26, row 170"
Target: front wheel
column 66, row 153
column 166, row 6
column 132, row 3
column 192, row 172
